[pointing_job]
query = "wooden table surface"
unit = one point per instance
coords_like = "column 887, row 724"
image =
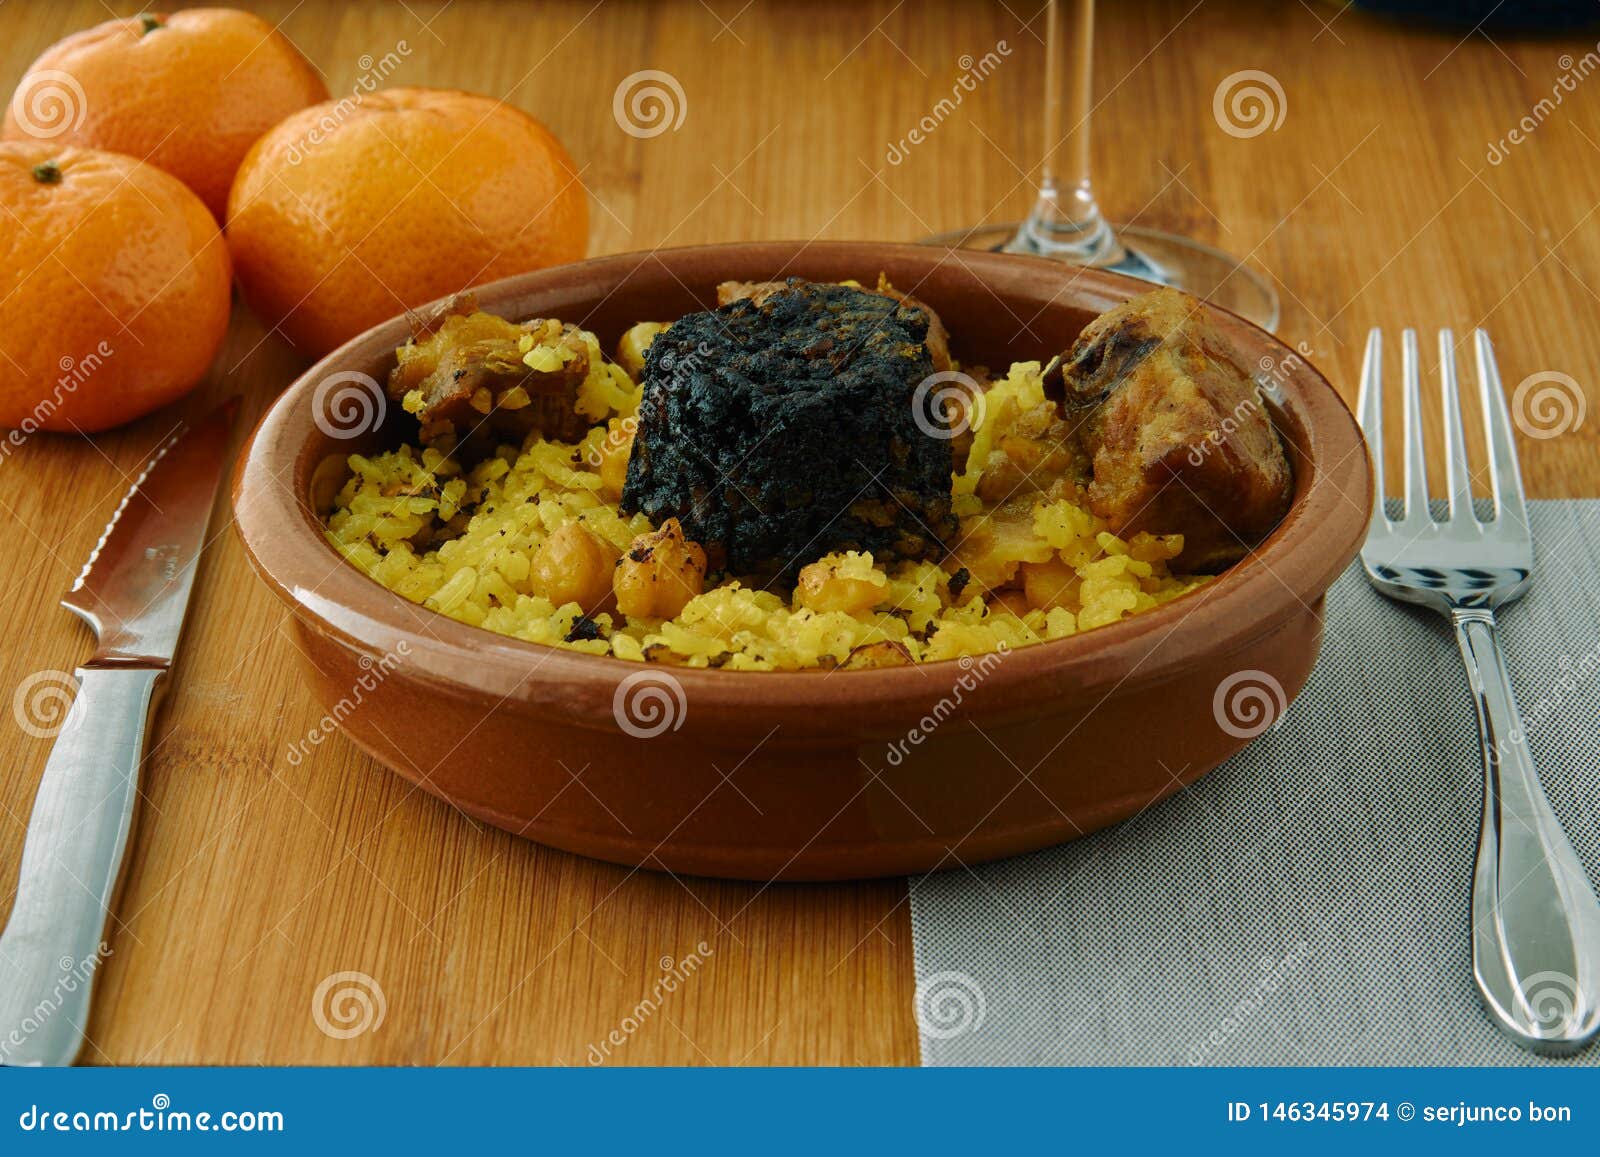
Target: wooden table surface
column 253, row 880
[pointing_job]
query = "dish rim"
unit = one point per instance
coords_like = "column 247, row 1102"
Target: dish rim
column 285, row 545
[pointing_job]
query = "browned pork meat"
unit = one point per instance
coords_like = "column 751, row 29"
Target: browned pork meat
column 1175, row 432
column 466, row 376
column 729, row 292
column 938, row 340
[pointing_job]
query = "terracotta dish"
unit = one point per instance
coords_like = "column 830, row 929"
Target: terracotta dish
column 805, row 776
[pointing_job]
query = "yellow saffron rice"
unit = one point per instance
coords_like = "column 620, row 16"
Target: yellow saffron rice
column 460, row 541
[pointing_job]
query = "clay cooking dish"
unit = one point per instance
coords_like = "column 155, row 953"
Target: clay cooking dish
column 804, row 775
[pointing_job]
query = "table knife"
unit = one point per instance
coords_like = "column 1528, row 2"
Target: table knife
column 132, row 593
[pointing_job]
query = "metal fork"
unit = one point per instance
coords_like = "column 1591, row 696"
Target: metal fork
column 1535, row 920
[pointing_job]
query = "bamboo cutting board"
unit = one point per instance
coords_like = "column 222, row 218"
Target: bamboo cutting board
column 257, row 880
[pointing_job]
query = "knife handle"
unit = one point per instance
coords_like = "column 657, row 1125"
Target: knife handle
column 71, row 865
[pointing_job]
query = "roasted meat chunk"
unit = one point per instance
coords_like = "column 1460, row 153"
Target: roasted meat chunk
column 758, row 291
column 1176, row 433
column 472, row 378
column 781, row 426
column 729, row 292
column 938, row 336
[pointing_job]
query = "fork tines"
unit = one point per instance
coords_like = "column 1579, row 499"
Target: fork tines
column 1509, row 504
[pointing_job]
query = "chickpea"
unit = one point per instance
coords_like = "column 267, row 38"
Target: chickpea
column 660, row 574
column 571, row 566
column 631, row 349
column 1050, row 584
column 1001, row 477
column 826, row 585
column 1155, row 547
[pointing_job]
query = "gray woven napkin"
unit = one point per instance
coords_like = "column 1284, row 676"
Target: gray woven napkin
column 1306, row 903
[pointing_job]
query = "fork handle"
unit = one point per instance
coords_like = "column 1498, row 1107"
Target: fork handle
column 71, row 865
column 1535, row 920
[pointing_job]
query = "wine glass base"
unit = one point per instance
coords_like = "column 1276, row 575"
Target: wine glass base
column 1164, row 258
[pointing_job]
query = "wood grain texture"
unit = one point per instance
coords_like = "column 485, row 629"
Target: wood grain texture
column 254, row 878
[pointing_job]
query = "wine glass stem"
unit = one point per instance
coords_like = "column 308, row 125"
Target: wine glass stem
column 1066, row 221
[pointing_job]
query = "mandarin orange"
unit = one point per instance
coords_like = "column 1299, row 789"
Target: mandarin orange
column 189, row 93
column 115, row 291
column 348, row 213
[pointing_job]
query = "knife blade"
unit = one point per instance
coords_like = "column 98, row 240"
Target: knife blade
column 134, row 589
column 133, row 592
